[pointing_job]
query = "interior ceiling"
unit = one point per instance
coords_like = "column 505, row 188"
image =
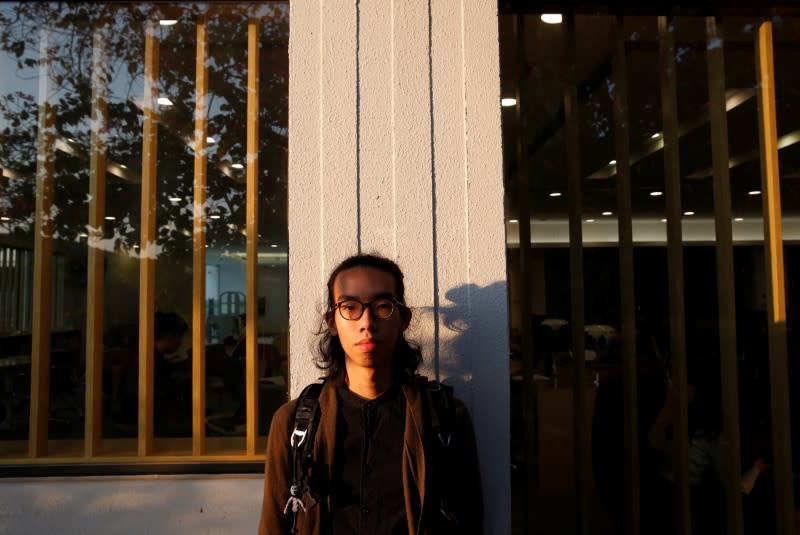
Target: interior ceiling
column 543, row 68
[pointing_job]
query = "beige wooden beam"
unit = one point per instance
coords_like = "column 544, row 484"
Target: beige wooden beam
column 525, row 273
column 726, row 292
column 147, row 248
column 677, row 307
column 199, row 241
column 627, row 298
column 572, row 137
column 776, row 289
column 251, row 306
column 95, row 278
column 42, row 259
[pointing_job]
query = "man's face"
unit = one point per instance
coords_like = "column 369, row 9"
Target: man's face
column 369, row 341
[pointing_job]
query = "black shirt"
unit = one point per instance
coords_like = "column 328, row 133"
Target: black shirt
column 367, row 475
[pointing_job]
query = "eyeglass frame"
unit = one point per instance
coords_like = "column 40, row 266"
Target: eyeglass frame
column 395, row 304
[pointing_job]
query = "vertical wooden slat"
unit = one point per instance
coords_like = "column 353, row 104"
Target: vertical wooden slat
column 677, row 324
column 42, row 261
column 95, row 280
column 525, row 274
column 147, row 261
column 776, row 290
column 725, row 278
column 199, row 242
column 251, row 336
column 627, row 298
column 580, row 422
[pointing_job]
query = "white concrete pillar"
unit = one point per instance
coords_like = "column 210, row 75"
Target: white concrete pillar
column 395, row 148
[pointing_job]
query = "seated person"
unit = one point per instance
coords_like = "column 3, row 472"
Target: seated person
column 172, row 376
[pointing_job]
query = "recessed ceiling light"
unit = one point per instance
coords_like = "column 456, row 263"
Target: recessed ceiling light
column 274, row 245
column 738, row 219
column 656, row 135
column 164, row 101
column 590, row 220
column 513, row 220
column 5, row 218
column 210, row 140
column 174, row 199
column 508, row 102
column 551, row 18
column 612, row 162
column 215, row 216
column 168, row 22
column 556, row 194
column 110, row 218
column 123, row 166
column 656, row 193
column 663, row 219
column 688, row 212
column 754, row 192
column 237, row 166
column 607, row 213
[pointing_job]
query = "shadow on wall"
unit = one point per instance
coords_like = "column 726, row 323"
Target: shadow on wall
column 466, row 333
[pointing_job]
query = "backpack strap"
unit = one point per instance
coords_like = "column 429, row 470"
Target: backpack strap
column 301, row 447
column 442, row 409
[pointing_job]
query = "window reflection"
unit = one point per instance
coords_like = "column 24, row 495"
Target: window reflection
column 545, row 149
column 92, row 75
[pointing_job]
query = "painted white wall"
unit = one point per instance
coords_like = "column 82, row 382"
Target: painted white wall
column 131, row 505
column 395, row 148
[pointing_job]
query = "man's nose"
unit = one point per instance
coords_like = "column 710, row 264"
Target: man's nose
column 367, row 320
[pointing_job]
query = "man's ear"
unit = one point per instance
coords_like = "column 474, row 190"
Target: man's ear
column 405, row 317
column 330, row 321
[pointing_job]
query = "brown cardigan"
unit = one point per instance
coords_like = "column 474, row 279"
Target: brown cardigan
column 461, row 479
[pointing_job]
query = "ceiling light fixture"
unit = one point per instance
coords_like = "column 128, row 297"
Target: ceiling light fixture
column 656, row 135
column 556, row 194
column 5, row 218
column 738, row 219
column 507, row 102
column 590, row 220
column 237, row 166
column 607, row 213
column 110, row 218
column 754, row 192
column 174, row 199
column 274, row 245
column 513, row 220
column 552, row 18
column 612, row 162
column 656, row 193
column 210, row 140
column 164, row 101
column 215, row 216
column 123, row 166
column 663, row 219
column 168, row 22
column 688, row 212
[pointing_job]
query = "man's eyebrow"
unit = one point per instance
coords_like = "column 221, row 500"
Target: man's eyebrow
column 383, row 295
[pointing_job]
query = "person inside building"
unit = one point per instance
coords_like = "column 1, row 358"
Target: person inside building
column 172, row 376
column 389, row 452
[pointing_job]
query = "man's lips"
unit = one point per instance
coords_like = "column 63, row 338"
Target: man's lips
column 366, row 345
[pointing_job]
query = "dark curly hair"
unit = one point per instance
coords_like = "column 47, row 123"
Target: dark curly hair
column 407, row 354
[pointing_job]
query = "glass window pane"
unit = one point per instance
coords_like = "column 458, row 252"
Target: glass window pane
column 115, row 35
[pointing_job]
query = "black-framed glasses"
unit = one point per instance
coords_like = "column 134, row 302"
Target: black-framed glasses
column 353, row 309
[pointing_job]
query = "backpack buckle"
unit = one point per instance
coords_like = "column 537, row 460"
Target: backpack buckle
column 298, row 437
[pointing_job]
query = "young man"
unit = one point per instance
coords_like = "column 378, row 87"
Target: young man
column 378, row 466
